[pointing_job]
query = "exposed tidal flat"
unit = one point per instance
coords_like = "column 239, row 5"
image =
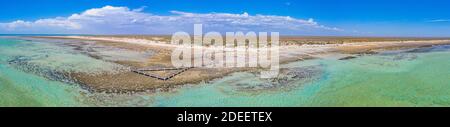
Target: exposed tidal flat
column 45, row 72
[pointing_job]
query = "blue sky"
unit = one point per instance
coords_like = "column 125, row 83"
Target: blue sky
column 289, row 17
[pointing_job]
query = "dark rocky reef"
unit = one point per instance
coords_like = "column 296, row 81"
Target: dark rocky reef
column 289, row 78
column 347, row 58
column 425, row 49
column 22, row 63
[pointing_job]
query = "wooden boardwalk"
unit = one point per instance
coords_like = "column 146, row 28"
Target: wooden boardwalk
column 143, row 70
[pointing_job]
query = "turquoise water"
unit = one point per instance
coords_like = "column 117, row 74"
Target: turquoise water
column 18, row 88
column 31, row 73
column 30, row 76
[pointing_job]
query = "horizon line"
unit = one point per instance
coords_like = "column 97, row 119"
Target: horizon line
column 356, row 36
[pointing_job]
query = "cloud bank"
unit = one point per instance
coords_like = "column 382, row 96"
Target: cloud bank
column 123, row 20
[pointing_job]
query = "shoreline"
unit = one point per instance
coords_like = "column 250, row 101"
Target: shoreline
column 132, row 83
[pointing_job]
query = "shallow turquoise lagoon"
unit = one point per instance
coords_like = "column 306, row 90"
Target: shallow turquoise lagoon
column 416, row 77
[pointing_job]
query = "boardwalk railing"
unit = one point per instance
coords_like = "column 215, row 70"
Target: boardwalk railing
column 143, row 70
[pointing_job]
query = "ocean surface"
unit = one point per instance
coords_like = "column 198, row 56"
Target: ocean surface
column 30, row 75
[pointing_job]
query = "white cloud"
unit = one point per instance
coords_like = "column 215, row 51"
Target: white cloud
column 439, row 20
column 122, row 20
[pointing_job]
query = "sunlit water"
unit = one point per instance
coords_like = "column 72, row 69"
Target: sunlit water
column 418, row 77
